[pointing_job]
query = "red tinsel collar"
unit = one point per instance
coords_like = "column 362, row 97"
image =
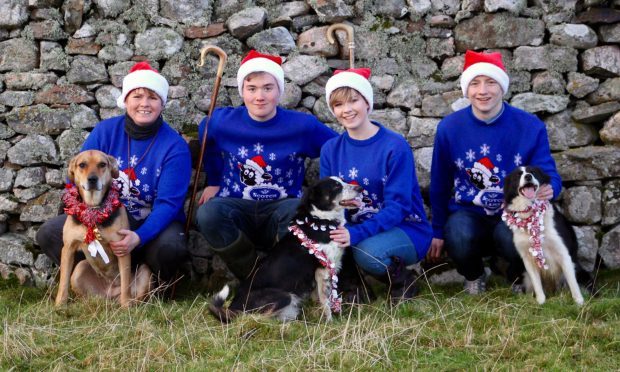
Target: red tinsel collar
column 335, row 302
column 90, row 216
column 534, row 224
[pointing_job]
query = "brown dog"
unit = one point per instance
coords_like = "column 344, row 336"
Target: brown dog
column 102, row 273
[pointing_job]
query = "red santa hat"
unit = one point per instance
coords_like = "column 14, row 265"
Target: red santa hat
column 486, row 166
column 142, row 75
column 356, row 78
column 259, row 62
column 487, row 64
column 258, row 164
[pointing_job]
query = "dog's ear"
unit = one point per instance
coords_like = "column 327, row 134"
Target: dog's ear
column 71, row 169
column 541, row 176
column 113, row 166
column 511, row 185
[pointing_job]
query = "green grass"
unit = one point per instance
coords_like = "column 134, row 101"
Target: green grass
column 443, row 329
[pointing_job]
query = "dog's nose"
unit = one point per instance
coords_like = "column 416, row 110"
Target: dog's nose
column 358, row 188
column 528, row 177
column 92, row 180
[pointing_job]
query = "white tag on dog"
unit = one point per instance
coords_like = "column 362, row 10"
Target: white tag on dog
column 95, row 247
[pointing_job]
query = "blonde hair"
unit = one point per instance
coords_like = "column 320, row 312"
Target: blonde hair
column 343, row 94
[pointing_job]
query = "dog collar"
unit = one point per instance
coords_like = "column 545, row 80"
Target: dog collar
column 335, row 302
column 90, row 216
column 534, row 224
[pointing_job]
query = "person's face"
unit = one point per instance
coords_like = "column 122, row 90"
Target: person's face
column 261, row 96
column 485, row 95
column 352, row 113
column 143, row 106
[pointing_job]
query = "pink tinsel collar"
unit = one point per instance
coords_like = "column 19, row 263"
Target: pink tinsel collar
column 335, row 302
column 534, row 224
column 90, row 216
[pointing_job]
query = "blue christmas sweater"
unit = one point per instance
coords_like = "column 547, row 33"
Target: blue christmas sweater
column 262, row 161
column 383, row 166
column 155, row 191
column 471, row 159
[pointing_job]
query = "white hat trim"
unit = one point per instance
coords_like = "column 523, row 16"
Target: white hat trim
column 260, row 64
column 486, row 69
column 351, row 80
column 144, row 79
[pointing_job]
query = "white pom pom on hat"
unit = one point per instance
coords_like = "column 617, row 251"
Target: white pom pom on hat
column 356, row 78
column 142, row 75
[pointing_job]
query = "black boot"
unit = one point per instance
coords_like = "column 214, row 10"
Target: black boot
column 240, row 256
column 401, row 281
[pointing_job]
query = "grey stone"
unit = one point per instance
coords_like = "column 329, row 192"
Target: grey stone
column 423, row 158
column 64, row 94
column 118, row 71
column 16, row 98
column 440, row 105
column 28, row 177
column 70, row 142
column 418, row 8
column 448, row 7
column 513, row 6
column 303, row 69
column 582, row 204
column 225, row 8
column 6, row 179
column 588, row 163
column 382, row 82
column 4, row 148
column 595, row 114
column 83, row 117
column 390, row 8
column 308, row 102
column 188, row 12
column 29, row 80
column 610, row 134
column 421, row 131
column 548, row 82
column 452, row 67
column 304, row 22
column 33, row 149
column 440, row 48
column 498, row 30
column 565, row 133
column 393, row 119
column 314, row 42
column 87, row 70
column 112, row 8
column 520, row 81
column 331, row 11
column 610, row 33
column 46, row 30
column 9, row 204
column 73, row 11
column 610, row 248
column 43, row 208
column 321, row 110
column 406, row 94
column 587, row 246
column 533, row 102
column 158, row 43
column 18, row 55
column 106, row 96
column 611, row 203
column 43, row 263
column 573, row 35
column 38, row 119
column 53, row 56
column 54, row 178
column 602, row 61
column 548, row 57
column 16, row 250
column 115, row 53
column 13, row 13
column 291, row 97
column 247, row 22
column 5, row 132
column 607, row 91
column 580, row 85
column 294, row 9
column 274, row 41
column 24, row 195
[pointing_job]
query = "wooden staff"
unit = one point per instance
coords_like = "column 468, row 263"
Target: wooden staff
column 331, row 30
column 218, row 79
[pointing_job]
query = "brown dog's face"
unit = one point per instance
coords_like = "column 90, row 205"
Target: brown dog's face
column 92, row 172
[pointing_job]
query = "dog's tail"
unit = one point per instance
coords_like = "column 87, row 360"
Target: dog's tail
column 216, row 307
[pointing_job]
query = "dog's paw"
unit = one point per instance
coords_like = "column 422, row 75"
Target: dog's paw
column 541, row 299
column 578, row 300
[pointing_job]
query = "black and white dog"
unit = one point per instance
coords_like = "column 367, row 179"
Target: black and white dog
column 305, row 260
column 543, row 237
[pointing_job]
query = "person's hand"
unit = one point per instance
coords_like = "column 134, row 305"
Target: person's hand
column 545, row 192
column 208, row 193
column 124, row 246
column 341, row 236
column 435, row 251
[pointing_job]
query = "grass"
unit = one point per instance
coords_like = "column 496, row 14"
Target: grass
column 442, row 329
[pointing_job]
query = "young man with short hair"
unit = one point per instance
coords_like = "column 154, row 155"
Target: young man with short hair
column 255, row 165
column 475, row 149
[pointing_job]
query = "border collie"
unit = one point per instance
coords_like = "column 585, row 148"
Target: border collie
column 303, row 261
column 543, row 237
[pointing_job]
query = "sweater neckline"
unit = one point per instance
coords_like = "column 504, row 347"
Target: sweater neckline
column 377, row 136
column 494, row 121
column 261, row 124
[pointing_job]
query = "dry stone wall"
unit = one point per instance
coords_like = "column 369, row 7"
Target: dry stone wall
column 62, row 64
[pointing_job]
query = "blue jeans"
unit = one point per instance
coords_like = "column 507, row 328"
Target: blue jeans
column 470, row 236
column 221, row 220
column 374, row 255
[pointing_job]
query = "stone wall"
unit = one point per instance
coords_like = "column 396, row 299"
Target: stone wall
column 62, row 63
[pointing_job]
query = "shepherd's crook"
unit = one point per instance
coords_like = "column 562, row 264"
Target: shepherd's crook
column 331, row 30
column 218, row 79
